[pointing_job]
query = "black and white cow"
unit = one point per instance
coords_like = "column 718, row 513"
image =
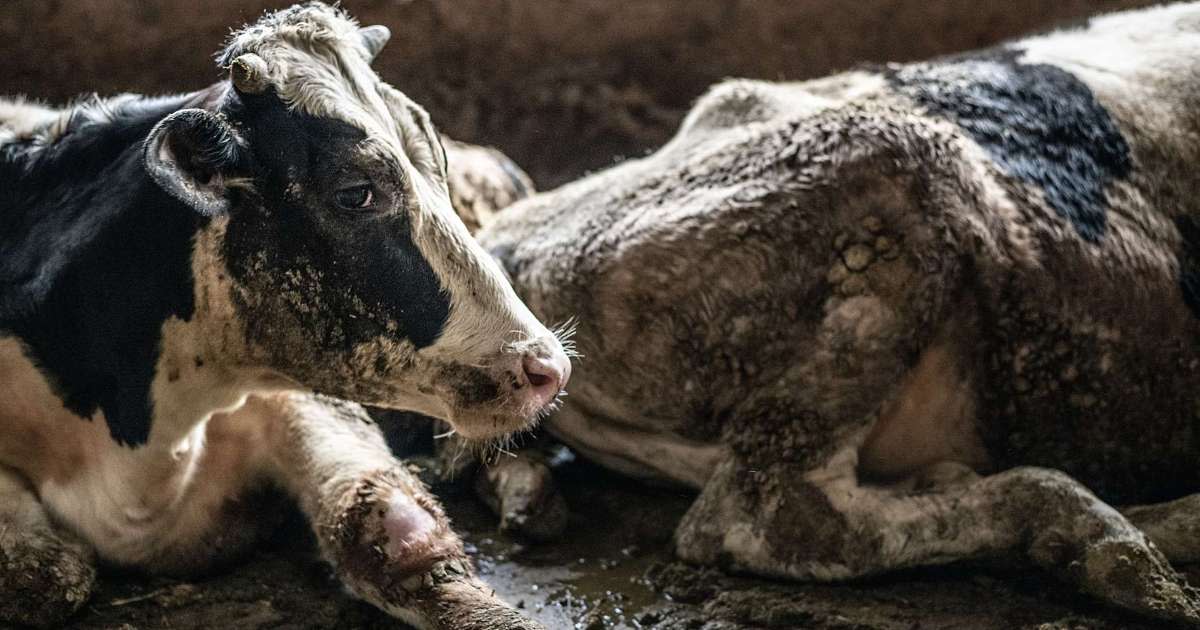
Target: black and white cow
column 904, row 316
column 179, row 275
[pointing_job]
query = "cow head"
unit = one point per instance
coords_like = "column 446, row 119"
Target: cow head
column 333, row 245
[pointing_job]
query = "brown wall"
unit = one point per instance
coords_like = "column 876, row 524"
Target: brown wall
column 561, row 85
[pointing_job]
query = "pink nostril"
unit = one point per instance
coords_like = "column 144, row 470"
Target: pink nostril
column 537, row 380
column 545, row 373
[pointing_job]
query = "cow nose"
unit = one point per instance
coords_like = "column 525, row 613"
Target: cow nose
column 547, row 374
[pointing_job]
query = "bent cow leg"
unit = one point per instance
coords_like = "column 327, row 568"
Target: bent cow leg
column 890, row 343
column 825, row 525
column 386, row 536
column 46, row 573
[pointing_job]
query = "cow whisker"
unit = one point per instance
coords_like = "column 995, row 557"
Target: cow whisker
column 565, row 333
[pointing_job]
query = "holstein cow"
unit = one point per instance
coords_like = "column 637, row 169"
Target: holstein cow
column 178, row 275
column 906, row 316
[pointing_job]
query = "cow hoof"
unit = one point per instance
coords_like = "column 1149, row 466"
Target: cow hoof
column 522, row 492
column 43, row 579
column 457, row 601
column 446, row 597
column 1135, row 576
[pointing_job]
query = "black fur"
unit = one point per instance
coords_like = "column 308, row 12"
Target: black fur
column 93, row 258
column 366, row 258
column 1040, row 124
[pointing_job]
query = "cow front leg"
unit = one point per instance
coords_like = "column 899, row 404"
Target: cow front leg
column 825, row 525
column 386, row 536
column 46, row 573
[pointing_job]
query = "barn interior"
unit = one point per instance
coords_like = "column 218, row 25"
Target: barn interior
column 563, row 88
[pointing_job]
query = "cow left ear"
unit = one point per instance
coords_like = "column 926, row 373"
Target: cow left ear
column 192, row 154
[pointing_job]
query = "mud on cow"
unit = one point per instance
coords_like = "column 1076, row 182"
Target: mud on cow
column 907, row 315
column 184, row 283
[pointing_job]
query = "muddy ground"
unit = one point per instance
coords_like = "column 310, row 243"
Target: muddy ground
column 614, row 571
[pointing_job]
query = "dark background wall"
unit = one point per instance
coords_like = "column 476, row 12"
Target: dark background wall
column 563, row 86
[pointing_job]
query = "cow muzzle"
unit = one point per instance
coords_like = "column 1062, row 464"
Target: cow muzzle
column 520, row 386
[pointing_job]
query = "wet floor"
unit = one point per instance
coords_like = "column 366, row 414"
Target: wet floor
column 596, row 577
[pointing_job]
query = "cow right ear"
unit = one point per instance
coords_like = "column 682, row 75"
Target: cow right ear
column 192, row 154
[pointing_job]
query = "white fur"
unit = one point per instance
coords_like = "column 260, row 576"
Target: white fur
column 122, row 500
column 1147, row 45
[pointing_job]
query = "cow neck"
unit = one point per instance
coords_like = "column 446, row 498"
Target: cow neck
column 100, row 259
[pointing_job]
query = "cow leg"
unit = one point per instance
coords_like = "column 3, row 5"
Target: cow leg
column 46, row 574
column 824, row 525
column 1174, row 526
column 386, row 536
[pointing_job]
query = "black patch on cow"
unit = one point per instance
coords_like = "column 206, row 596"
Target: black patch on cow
column 94, row 257
column 1039, row 123
column 1189, row 261
column 372, row 274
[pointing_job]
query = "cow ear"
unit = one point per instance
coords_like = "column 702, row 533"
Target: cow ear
column 434, row 150
column 192, row 154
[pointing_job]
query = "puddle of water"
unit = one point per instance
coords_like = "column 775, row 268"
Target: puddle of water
column 603, row 592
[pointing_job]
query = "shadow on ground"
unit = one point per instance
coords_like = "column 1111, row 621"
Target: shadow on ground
column 614, row 571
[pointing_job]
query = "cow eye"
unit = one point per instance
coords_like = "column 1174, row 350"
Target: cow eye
column 355, row 197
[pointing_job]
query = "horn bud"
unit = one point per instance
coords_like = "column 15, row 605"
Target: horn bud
column 250, row 74
column 374, row 38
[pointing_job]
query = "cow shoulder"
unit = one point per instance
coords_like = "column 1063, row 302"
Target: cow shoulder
column 93, row 258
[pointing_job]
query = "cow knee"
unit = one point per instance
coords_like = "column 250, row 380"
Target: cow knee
column 45, row 574
column 385, row 523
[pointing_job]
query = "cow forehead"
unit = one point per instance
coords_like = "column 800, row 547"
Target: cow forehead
column 318, row 65
column 309, row 26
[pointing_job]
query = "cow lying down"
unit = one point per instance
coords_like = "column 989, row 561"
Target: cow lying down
column 179, row 274
column 906, row 316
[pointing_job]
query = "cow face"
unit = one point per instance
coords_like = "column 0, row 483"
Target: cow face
column 334, row 243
